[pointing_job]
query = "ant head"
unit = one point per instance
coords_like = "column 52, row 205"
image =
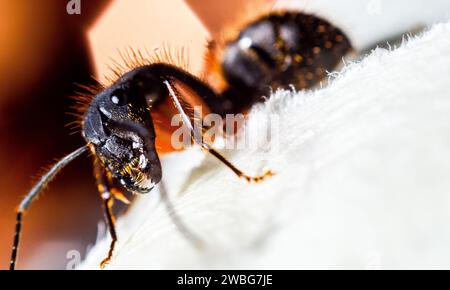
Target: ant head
column 119, row 127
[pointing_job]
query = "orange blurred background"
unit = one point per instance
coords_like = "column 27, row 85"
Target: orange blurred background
column 44, row 52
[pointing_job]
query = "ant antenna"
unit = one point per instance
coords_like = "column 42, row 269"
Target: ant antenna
column 34, row 193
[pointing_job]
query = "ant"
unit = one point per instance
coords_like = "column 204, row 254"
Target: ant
column 276, row 50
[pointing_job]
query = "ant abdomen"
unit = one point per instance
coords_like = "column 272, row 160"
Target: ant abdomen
column 278, row 50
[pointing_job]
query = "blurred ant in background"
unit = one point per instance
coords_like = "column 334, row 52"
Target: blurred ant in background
column 276, row 50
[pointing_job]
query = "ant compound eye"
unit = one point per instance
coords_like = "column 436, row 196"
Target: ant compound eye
column 119, row 98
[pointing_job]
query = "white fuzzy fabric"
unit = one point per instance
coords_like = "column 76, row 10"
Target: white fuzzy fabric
column 363, row 179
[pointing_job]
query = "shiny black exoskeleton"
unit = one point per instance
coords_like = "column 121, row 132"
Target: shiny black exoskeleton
column 119, row 128
column 276, row 50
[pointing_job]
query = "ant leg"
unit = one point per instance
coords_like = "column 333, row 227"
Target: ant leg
column 108, row 200
column 197, row 136
column 239, row 173
column 34, row 193
column 107, row 203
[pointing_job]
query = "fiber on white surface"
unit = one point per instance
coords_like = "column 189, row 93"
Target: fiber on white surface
column 363, row 178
